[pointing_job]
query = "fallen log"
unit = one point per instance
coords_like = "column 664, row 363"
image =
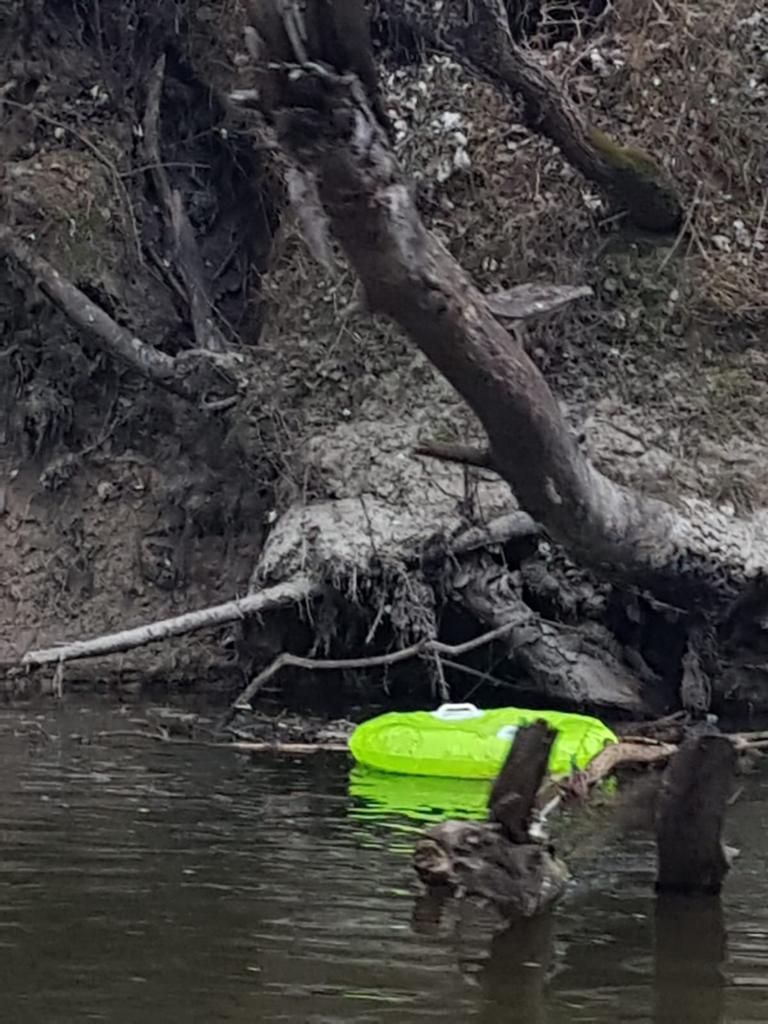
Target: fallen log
column 279, row 596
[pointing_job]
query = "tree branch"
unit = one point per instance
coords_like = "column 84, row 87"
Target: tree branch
column 297, row 589
column 324, row 124
column 186, row 376
column 478, row 34
column 286, row 660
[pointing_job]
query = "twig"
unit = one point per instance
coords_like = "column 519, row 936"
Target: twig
column 241, row 746
column 242, row 702
column 464, row 455
column 278, row 596
column 179, row 228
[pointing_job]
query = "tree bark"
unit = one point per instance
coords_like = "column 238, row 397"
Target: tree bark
column 324, row 124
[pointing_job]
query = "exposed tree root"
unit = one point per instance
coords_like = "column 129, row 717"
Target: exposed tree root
column 563, row 663
column 183, row 244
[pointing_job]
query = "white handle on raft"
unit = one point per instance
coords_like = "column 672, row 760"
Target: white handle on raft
column 456, row 712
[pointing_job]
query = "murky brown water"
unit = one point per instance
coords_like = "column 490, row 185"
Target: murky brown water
column 159, row 884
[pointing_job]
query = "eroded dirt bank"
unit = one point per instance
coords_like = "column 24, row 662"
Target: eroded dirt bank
column 121, row 503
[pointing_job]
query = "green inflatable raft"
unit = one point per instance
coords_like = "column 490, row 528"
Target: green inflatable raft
column 463, row 742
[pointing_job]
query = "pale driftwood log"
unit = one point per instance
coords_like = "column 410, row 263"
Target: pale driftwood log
column 478, row 34
column 496, row 861
column 697, row 785
column 300, row 588
column 692, row 555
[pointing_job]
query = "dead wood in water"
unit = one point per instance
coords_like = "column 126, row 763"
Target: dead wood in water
column 513, row 795
column 692, row 806
column 497, row 861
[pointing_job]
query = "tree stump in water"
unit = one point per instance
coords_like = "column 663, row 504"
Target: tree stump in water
column 697, row 783
column 497, row 861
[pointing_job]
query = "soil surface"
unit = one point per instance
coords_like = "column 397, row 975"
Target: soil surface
column 121, row 504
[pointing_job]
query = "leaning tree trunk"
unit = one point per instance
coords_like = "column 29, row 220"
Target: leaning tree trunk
column 325, row 125
column 479, row 34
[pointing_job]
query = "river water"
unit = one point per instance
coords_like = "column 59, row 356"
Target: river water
column 150, row 884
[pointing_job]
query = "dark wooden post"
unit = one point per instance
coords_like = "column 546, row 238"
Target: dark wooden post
column 689, row 822
column 514, row 791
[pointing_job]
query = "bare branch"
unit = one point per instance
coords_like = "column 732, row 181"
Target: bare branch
column 325, row 126
column 478, row 34
column 189, row 375
column 297, row 589
column 149, row 361
column 286, row 660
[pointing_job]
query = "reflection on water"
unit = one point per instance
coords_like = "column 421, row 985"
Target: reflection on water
column 184, row 884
